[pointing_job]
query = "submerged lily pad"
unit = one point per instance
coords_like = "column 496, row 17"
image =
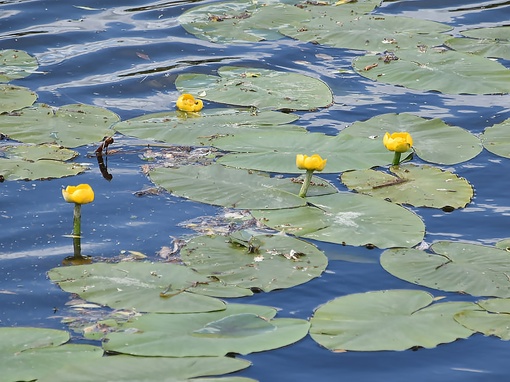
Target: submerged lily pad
column 15, row 64
column 419, row 186
column 257, row 87
column 453, row 266
column 237, row 329
column 229, row 187
column 145, row 287
column 387, row 320
column 264, row 262
column 69, row 126
column 433, row 140
column 29, row 354
column 15, row 98
column 487, row 42
column 251, row 150
column 347, row 218
column 436, row 69
column 199, row 129
column 492, row 319
column 36, row 162
column 124, row 368
column 496, row 139
column 341, row 29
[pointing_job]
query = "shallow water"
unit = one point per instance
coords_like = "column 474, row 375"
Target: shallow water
column 125, row 57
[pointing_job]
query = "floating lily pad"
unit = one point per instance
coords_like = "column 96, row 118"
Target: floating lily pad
column 487, row 42
column 248, row 21
column 238, row 21
column 387, row 320
column 275, row 150
column 15, row 98
column 237, row 329
column 229, row 187
column 496, row 139
column 16, row 64
column 493, row 319
column 347, row 218
column 69, row 126
column 264, row 262
column 419, row 186
column 341, row 29
column 200, row 129
column 503, row 244
column 433, row 140
column 453, row 266
column 145, row 287
column 436, row 69
column 36, row 162
column 257, row 87
column 124, row 368
column 29, row 354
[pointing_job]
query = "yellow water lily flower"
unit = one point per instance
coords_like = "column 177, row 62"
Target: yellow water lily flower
column 399, row 142
column 186, row 102
column 312, row 163
column 80, row 194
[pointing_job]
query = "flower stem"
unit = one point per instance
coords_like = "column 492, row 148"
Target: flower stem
column 306, row 183
column 396, row 158
column 77, row 230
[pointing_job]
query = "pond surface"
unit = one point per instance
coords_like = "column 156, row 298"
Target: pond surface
column 125, row 56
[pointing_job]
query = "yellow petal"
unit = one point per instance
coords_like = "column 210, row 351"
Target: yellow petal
column 186, row 102
column 399, row 141
column 80, row 194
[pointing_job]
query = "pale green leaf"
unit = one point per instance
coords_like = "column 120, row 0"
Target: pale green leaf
column 419, row 186
column 453, row 266
column 257, row 87
column 145, row 287
column 433, row 140
column 347, row 218
column 387, row 320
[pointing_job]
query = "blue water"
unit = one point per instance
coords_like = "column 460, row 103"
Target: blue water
column 100, row 57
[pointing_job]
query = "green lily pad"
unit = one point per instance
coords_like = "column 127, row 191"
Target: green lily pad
column 387, row 320
column 69, row 126
column 486, row 42
column 453, row 266
column 496, row 139
column 341, row 29
column 29, row 354
column 222, row 186
column 38, row 162
column 347, row 218
column 15, row 64
column 251, row 150
column 145, row 287
column 433, row 140
column 248, row 21
column 493, row 319
column 503, row 244
column 15, row 98
column 257, row 87
column 186, row 335
column 124, row 368
column 199, row 129
column 264, row 262
column 419, row 186
column 238, row 21
column 436, row 69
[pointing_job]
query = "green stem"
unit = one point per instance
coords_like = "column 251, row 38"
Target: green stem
column 306, row 183
column 77, row 230
column 396, row 158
